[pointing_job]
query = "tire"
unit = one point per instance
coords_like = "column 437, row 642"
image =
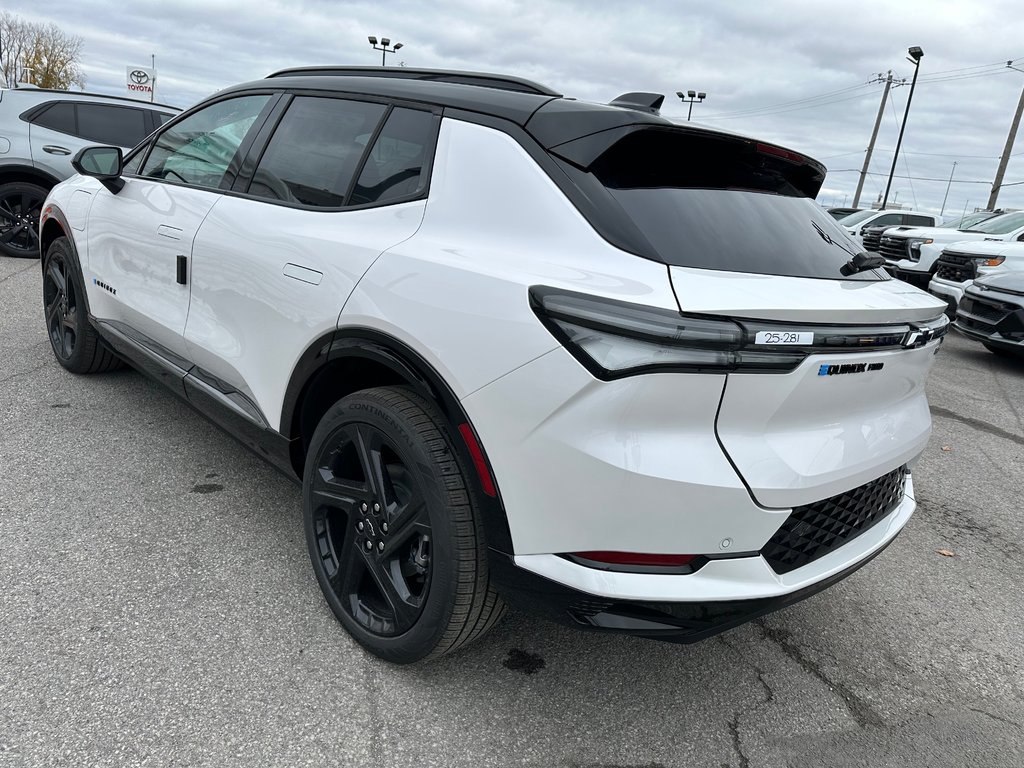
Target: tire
column 74, row 341
column 393, row 530
column 20, row 203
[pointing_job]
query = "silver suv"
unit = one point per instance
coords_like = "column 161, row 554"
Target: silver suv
column 40, row 131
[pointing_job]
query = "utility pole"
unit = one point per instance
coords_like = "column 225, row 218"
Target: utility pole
column 871, row 144
column 948, row 185
column 1005, row 159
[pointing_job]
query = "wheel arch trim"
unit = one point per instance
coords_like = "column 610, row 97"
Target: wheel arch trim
column 383, row 349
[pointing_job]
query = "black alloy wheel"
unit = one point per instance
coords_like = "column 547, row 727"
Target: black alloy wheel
column 76, row 345
column 61, row 307
column 372, row 528
column 393, row 528
column 20, row 205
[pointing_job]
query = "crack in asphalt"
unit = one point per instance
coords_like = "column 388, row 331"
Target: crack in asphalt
column 18, row 272
column 734, row 723
column 998, row 718
column 960, row 520
column 859, row 709
column 14, row 376
column 978, row 424
column 734, row 729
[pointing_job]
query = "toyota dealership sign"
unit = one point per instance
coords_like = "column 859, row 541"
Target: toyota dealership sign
column 141, row 81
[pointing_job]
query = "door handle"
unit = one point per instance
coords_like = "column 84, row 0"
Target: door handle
column 53, row 149
column 167, row 231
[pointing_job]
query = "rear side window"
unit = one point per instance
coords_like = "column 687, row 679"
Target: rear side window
column 714, row 202
column 920, row 221
column 315, row 151
column 59, row 117
column 395, row 168
column 120, row 126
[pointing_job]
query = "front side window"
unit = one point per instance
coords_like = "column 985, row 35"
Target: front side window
column 315, row 151
column 199, row 149
column 117, row 126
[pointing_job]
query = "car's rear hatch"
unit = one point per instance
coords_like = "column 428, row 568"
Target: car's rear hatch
column 832, row 393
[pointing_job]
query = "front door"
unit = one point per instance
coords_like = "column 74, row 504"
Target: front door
column 140, row 239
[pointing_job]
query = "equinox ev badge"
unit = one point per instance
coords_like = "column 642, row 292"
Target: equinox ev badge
column 841, row 368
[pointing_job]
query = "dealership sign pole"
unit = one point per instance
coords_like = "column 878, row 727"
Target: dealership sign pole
column 141, row 80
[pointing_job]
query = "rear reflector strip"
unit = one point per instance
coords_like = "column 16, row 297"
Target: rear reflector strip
column 479, row 462
column 636, row 558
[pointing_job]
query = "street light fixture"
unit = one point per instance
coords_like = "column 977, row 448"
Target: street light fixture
column 915, row 58
column 693, row 96
column 383, row 47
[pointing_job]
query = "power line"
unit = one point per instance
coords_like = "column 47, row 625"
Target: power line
column 918, row 178
column 826, row 99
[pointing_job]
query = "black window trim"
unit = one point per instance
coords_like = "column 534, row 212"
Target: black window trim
column 258, row 149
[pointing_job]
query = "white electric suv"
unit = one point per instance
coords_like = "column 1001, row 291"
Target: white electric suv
column 517, row 348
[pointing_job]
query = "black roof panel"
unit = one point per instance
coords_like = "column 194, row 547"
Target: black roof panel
column 510, row 105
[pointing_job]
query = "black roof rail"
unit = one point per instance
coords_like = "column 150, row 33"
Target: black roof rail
column 646, row 102
column 482, row 79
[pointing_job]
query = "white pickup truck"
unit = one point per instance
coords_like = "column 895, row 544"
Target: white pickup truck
column 960, row 264
column 912, row 255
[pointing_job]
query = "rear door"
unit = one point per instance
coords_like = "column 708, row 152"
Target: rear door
column 339, row 182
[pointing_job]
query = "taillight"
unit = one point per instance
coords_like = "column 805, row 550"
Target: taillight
column 612, row 339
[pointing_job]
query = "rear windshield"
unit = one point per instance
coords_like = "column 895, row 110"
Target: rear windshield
column 722, row 203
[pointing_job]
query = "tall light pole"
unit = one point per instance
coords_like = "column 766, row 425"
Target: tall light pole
column 383, row 47
column 915, row 58
column 1005, row 159
column 693, row 96
column 948, row 185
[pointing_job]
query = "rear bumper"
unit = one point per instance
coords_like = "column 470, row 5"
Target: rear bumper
column 680, row 608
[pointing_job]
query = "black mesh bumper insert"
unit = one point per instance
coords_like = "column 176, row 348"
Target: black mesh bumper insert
column 814, row 530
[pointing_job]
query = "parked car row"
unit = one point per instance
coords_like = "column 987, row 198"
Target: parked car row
column 975, row 264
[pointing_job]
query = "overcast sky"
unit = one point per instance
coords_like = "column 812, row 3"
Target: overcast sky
column 762, row 64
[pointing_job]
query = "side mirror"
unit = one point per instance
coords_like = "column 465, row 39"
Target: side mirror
column 103, row 163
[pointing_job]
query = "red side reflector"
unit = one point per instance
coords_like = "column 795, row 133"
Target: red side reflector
column 636, row 558
column 486, row 482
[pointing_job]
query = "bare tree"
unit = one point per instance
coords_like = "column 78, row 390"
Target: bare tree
column 42, row 54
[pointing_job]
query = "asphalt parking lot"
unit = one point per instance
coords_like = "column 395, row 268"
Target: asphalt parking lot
column 157, row 607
